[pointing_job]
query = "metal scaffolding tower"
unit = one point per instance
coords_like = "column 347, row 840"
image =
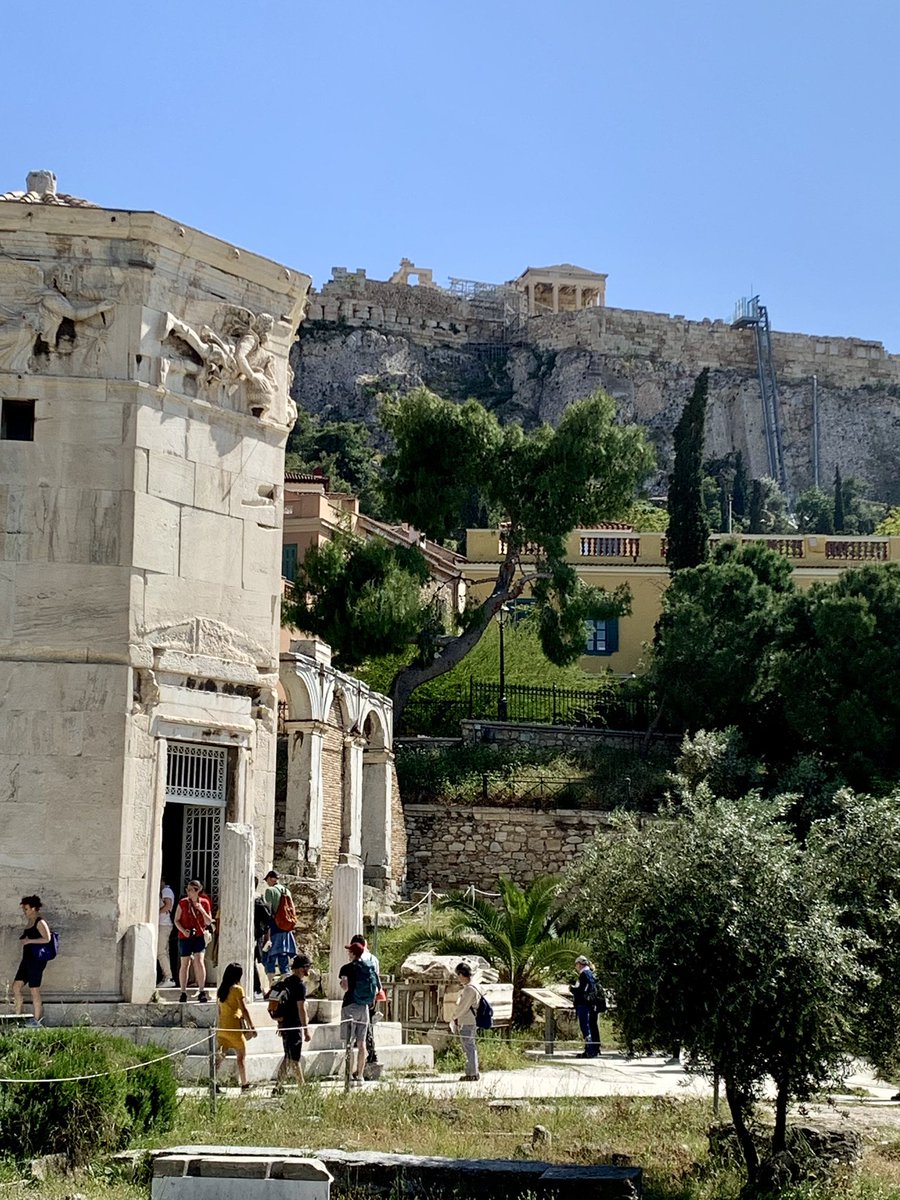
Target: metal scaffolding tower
column 747, row 313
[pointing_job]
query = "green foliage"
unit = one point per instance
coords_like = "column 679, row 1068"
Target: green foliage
column 830, row 674
column 715, row 763
column 607, row 778
column 740, row 491
column 716, row 622
column 521, row 937
column 524, row 664
column 858, row 851
column 889, row 526
column 815, row 512
column 645, row 517
column 88, row 1116
column 687, row 543
column 717, row 937
column 544, row 483
column 363, row 598
column 343, row 450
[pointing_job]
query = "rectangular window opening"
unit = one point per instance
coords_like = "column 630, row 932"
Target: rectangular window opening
column 16, row 420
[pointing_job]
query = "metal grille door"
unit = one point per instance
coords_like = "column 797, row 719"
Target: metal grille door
column 197, row 778
column 202, row 836
column 195, row 774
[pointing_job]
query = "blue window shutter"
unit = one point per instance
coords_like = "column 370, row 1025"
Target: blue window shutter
column 612, row 635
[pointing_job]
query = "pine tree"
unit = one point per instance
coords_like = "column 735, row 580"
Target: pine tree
column 688, row 540
column 838, row 501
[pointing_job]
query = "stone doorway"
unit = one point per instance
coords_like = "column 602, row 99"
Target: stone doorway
column 193, row 816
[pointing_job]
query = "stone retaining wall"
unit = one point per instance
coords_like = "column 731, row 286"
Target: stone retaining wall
column 452, row 847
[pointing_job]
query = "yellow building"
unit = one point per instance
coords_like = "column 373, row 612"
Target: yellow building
column 610, row 555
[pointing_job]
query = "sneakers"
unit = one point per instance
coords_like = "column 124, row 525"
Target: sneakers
column 203, row 997
column 356, row 1080
column 182, row 999
column 32, row 1023
column 167, row 983
column 469, row 1078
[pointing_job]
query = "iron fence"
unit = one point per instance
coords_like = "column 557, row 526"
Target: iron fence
column 599, row 708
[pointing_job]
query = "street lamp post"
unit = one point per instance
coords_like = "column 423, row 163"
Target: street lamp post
column 502, row 707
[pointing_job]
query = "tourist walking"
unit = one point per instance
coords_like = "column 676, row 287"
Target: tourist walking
column 359, row 985
column 235, row 1023
column 293, row 1022
column 372, row 959
column 164, row 936
column 193, row 919
column 37, row 941
column 463, row 1021
column 585, row 997
column 283, row 946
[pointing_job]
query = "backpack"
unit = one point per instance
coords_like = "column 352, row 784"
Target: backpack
column 262, row 918
column 366, row 987
column 484, row 1013
column 278, row 1004
column 285, row 913
column 596, row 998
column 49, row 949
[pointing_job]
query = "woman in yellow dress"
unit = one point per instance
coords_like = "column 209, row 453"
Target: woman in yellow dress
column 235, row 1022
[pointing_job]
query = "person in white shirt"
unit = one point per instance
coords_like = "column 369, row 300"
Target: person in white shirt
column 163, row 956
column 463, row 1021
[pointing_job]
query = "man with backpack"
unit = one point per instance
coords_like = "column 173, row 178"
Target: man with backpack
column 287, row 1005
column 369, row 957
column 589, row 1001
column 359, row 983
column 283, row 945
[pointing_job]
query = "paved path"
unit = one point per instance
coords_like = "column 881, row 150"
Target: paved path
column 565, row 1075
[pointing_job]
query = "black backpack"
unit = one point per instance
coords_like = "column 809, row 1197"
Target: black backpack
column 484, row 1013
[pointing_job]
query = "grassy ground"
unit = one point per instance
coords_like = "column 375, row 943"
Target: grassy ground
column 666, row 1136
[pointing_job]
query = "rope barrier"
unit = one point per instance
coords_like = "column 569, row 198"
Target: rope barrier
column 117, row 1070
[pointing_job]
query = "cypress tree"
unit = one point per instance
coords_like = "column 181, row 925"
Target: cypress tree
column 838, row 501
column 741, row 487
column 757, row 507
column 688, row 540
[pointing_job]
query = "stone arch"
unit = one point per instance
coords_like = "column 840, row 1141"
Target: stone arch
column 298, row 825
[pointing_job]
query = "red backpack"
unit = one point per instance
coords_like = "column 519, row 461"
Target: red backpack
column 285, row 913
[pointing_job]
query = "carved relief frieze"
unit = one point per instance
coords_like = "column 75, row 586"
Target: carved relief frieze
column 227, row 358
column 52, row 320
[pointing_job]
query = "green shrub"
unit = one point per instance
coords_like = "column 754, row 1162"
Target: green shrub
column 84, row 1116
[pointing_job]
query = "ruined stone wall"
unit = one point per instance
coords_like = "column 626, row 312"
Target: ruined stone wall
column 333, row 789
column 364, row 337
column 453, row 847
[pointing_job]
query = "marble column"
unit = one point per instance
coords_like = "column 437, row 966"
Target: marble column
column 578, row 297
column 376, row 816
column 351, row 810
column 304, row 803
column 346, row 919
column 556, row 297
column 237, row 864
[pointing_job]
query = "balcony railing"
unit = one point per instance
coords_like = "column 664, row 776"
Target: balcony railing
column 857, row 551
column 610, row 547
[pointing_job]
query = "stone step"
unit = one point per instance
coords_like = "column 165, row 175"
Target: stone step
column 317, row 1064
column 178, row 1037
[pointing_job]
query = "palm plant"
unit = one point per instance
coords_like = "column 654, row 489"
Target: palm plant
column 522, row 937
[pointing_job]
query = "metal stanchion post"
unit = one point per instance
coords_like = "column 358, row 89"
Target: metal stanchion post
column 211, row 1050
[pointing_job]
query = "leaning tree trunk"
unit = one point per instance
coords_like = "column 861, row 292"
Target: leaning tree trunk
column 779, row 1135
column 739, row 1107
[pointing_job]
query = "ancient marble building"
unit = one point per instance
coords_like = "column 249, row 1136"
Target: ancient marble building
column 143, row 416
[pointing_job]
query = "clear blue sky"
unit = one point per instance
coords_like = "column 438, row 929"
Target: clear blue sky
column 691, row 150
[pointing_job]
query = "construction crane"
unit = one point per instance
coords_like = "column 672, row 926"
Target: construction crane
column 750, row 313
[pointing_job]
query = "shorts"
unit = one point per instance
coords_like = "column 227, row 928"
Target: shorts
column 293, row 1043
column 191, row 945
column 31, row 971
column 355, row 1021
